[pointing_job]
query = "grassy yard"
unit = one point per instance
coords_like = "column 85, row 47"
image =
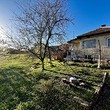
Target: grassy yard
column 23, row 87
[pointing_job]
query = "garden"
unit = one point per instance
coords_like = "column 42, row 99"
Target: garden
column 23, row 85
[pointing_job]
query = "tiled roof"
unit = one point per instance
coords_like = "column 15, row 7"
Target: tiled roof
column 101, row 30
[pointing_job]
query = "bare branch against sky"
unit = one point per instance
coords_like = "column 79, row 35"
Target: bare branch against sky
column 39, row 26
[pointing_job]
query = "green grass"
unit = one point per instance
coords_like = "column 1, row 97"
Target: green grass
column 25, row 88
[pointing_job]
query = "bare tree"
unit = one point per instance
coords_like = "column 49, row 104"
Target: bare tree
column 39, row 26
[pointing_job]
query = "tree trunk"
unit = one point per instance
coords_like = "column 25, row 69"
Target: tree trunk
column 50, row 57
column 99, row 61
column 99, row 56
column 43, row 65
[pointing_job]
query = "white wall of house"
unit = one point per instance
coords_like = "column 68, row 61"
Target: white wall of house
column 94, row 52
column 103, row 39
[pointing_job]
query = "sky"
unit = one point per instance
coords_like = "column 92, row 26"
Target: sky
column 88, row 14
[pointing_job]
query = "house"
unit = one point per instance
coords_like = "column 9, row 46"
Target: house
column 59, row 52
column 89, row 45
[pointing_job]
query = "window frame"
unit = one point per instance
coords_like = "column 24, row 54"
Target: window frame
column 108, row 45
column 87, row 47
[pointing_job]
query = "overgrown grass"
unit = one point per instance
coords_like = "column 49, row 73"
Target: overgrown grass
column 25, row 88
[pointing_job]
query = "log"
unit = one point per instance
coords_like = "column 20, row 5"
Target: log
column 83, row 103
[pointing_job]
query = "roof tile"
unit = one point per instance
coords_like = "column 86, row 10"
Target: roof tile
column 97, row 31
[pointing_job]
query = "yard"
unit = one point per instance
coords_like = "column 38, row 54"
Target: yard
column 24, row 87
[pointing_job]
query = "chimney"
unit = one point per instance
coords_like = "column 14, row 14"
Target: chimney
column 103, row 25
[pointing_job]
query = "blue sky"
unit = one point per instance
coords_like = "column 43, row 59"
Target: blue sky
column 88, row 14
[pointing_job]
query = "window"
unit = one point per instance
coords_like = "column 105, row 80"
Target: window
column 88, row 57
column 108, row 42
column 89, row 43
